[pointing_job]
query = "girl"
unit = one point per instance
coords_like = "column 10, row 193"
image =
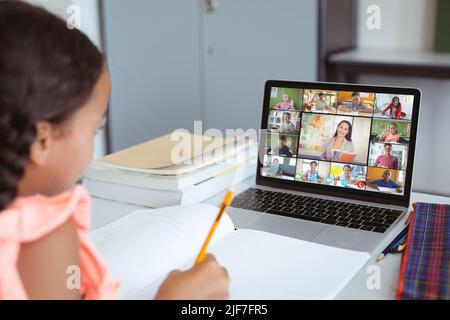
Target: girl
column 287, row 126
column 286, row 103
column 391, row 134
column 394, row 108
column 54, row 91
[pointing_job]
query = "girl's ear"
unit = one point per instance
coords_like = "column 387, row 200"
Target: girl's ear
column 41, row 147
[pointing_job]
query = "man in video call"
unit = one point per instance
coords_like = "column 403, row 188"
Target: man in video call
column 284, row 147
column 356, row 105
column 387, row 160
column 385, row 182
column 312, row 175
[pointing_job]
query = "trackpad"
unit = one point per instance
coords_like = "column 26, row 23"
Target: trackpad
column 286, row 226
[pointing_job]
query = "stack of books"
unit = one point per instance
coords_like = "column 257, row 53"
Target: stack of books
column 172, row 170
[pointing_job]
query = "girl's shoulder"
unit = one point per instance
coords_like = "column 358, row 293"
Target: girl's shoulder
column 66, row 216
column 30, row 218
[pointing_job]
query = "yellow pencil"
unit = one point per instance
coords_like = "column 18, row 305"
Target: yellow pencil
column 225, row 203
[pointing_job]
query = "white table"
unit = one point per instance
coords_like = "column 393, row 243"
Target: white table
column 106, row 211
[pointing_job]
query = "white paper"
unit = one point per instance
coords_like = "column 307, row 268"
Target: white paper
column 145, row 245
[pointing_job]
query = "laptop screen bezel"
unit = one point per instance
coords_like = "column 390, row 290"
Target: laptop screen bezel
column 362, row 195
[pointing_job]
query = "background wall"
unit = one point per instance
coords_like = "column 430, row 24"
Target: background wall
column 405, row 24
column 409, row 25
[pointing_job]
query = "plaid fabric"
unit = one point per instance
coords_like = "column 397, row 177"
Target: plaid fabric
column 425, row 268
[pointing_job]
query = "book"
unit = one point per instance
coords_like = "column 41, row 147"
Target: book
column 344, row 156
column 149, row 197
column 142, row 247
column 168, row 155
column 174, row 182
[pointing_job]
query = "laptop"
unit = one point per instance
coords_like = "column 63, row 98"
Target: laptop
column 335, row 163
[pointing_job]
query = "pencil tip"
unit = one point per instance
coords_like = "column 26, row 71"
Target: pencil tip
column 380, row 257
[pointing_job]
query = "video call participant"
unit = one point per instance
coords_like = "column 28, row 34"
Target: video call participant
column 356, row 105
column 385, row 182
column 344, row 178
column 387, row 160
column 284, row 147
column 274, row 169
column 321, row 103
column 342, row 141
column 310, row 99
column 286, row 103
column 312, row 175
column 395, row 109
column 391, row 134
column 287, row 126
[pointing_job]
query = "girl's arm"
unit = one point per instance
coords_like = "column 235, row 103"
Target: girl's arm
column 43, row 265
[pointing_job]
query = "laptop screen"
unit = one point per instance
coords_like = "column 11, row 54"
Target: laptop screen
column 348, row 138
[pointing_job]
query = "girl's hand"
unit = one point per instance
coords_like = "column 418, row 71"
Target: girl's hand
column 204, row 281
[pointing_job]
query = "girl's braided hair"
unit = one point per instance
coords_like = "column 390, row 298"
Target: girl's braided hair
column 47, row 72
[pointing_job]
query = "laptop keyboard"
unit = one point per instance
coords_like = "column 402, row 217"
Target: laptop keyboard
column 326, row 211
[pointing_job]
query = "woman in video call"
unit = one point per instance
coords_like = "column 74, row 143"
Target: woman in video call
column 394, row 108
column 286, row 103
column 341, row 140
column 287, row 126
column 391, row 134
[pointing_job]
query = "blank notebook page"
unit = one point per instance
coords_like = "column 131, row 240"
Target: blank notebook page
column 262, row 265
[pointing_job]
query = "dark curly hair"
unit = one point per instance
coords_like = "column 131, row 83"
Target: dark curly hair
column 47, row 72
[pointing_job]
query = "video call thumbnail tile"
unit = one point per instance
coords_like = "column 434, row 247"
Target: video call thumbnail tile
column 391, row 131
column 386, row 180
column 335, row 138
column 388, row 156
column 355, row 103
column 280, row 144
column 286, row 99
column 319, row 101
column 279, row 167
column 284, row 122
column 391, row 106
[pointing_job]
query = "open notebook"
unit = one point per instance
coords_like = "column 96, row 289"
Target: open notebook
column 142, row 247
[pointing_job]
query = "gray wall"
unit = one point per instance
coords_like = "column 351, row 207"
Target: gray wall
column 173, row 63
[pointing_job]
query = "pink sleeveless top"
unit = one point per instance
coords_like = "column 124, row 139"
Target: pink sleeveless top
column 31, row 218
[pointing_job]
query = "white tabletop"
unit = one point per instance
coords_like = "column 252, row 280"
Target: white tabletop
column 106, row 211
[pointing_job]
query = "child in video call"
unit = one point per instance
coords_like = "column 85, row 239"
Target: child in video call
column 341, row 140
column 391, row 134
column 287, row 126
column 274, row 168
column 387, row 160
column 286, row 103
column 394, row 109
column 312, row 175
column 284, row 147
column 54, row 91
column 345, row 177
column 385, row 182
column 321, row 103
column 355, row 106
